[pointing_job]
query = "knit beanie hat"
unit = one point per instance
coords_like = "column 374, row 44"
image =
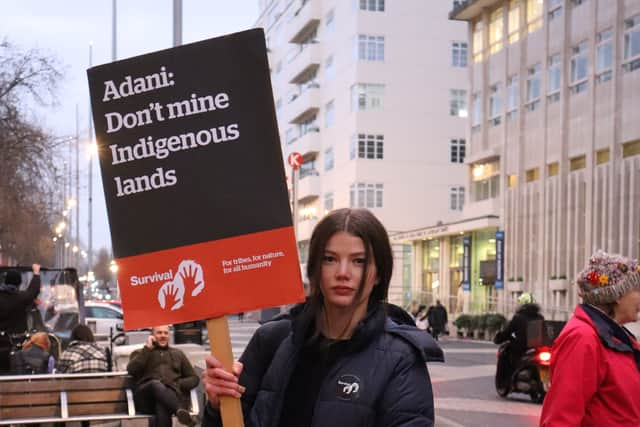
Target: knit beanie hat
column 607, row 278
column 13, row 277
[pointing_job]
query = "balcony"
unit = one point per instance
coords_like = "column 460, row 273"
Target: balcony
column 305, row 105
column 307, row 144
column 305, row 21
column 308, row 188
column 305, row 64
column 305, row 228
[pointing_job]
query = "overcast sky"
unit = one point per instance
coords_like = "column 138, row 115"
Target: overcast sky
column 65, row 28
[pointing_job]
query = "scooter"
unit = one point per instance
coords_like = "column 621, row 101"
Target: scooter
column 530, row 376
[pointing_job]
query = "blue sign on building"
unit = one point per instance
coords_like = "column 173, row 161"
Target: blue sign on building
column 499, row 259
column 466, row 263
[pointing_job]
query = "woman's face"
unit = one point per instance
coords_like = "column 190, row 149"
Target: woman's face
column 343, row 265
column 627, row 307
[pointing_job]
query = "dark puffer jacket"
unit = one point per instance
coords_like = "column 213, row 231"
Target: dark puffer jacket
column 385, row 359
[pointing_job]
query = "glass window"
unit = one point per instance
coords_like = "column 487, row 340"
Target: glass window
column 513, row 96
column 514, row 21
column 553, row 92
column 370, row 48
column 366, row 195
column 476, row 109
column 632, row 43
column 372, row 5
column 533, row 87
column 496, row 29
column 309, row 125
column 579, row 66
column 456, row 198
column 485, row 180
column 604, row 56
column 291, row 135
column 555, row 9
column 329, row 114
column 369, row 147
column 457, row 150
column 459, row 54
column 328, row 202
column 329, row 68
column 328, row 159
column 477, row 42
column 534, row 14
column 367, row 97
column 495, row 105
column 308, row 168
column 329, row 22
column 458, row 102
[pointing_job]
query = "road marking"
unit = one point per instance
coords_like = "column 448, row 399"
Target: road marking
column 470, row 350
column 446, row 422
column 504, row 407
column 443, row 373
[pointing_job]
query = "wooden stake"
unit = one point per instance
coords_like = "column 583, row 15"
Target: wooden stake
column 220, row 342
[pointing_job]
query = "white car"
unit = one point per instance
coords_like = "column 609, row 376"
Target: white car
column 100, row 317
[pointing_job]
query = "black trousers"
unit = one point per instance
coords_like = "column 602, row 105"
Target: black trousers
column 157, row 399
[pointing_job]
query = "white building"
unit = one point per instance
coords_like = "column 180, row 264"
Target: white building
column 373, row 95
column 554, row 147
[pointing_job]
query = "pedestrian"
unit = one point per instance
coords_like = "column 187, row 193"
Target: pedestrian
column 14, row 302
column 337, row 359
column 437, row 317
column 34, row 357
column 164, row 377
column 421, row 318
column 595, row 361
column 83, row 355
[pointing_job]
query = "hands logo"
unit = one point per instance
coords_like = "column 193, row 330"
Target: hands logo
column 190, row 278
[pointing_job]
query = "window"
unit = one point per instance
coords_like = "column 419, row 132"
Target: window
column 364, row 195
column 307, row 211
column 308, row 168
column 456, row 198
column 477, row 42
column 534, row 14
column 604, row 56
column 576, row 3
column 579, row 63
column 328, row 202
column 458, row 150
column 459, row 54
column 495, row 105
column 279, row 109
column 309, row 125
column 370, row 48
column 328, row 159
column 458, row 102
column 514, row 21
column 476, row 110
column 291, row 135
column 367, row 97
column 533, row 87
column 553, row 89
column 485, row 180
column 367, row 147
column 329, row 22
column 329, row 68
column 513, row 96
column 329, row 114
column 555, row 9
column 372, row 5
column 496, row 28
column 632, row 44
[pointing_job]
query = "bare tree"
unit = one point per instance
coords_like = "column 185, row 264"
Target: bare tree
column 28, row 174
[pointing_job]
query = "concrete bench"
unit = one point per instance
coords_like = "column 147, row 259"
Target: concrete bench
column 28, row 399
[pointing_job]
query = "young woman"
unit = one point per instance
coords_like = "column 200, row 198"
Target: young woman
column 595, row 365
column 34, row 356
column 338, row 359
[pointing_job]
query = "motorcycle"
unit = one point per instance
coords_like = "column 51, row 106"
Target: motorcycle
column 529, row 376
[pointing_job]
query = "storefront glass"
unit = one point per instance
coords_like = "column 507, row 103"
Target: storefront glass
column 431, row 269
column 483, row 270
column 456, row 252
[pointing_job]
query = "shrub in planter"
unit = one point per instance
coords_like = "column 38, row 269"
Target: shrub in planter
column 478, row 325
column 463, row 323
column 495, row 322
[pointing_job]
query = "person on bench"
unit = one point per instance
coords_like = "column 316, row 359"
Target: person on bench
column 83, row 355
column 164, row 376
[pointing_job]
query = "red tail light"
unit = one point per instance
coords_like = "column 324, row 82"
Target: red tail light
column 544, row 356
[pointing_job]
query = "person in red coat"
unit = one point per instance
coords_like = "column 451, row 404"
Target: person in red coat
column 595, row 365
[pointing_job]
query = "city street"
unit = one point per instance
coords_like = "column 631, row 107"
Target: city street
column 463, row 386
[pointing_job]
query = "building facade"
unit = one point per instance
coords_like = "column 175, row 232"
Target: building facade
column 554, row 145
column 373, row 95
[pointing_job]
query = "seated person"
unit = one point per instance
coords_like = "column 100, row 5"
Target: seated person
column 34, row 356
column 164, row 377
column 83, row 355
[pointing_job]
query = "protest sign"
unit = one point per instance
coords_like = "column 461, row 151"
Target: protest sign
column 194, row 182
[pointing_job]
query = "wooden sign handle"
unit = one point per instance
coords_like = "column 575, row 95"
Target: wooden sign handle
column 220, row 342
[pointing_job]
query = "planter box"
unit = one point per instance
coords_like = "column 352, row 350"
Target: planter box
column 515, row 286
column 559, row 284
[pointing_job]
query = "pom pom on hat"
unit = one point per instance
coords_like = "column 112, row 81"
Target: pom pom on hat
column 607, row 278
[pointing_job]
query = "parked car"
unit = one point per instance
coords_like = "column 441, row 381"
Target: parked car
column 100, row 317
